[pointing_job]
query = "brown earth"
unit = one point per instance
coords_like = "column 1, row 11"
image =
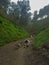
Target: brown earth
column 9, row 55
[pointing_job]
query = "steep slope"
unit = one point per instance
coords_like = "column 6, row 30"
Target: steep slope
column 9, row 32
column 41, row 37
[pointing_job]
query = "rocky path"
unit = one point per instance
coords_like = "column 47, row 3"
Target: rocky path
column 9, row 55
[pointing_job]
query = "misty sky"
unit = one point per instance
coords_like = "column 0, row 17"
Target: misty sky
column 36, row 4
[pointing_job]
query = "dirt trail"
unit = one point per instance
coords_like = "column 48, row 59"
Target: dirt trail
column 10, row 56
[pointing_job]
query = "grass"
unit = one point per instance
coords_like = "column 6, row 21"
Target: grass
column 41, row 37
column 10, row 32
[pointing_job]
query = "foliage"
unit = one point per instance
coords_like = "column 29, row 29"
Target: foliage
column 24, row 14
column 35, row 15
column 44, row 11
column 18, row 13
column 10, row 32
column 4, row 4
column 39, row 25
column 41, row 37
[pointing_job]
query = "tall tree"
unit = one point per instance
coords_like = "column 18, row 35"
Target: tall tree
column 35, row 15
column 4, row 4
column 24, row 8
column 13, row 9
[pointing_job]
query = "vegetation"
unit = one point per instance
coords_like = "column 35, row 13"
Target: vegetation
column 17, row 24
column 10, row 32
column 19, row 14
column 41, row 37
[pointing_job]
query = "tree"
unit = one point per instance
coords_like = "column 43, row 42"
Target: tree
column 13, row 9
column 35, row 15
column 23, row 7
column 44, row 11
column 4, row 4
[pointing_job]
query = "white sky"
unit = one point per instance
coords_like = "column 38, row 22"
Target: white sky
column 36, row 4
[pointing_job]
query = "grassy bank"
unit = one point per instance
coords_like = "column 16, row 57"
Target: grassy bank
column 41, row 37
column 10, row 32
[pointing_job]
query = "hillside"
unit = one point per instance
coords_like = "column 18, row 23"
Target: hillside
column 41, row 37
column 9, row 32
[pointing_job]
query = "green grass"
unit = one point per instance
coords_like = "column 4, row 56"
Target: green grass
column 41, row 37
column 10, row 32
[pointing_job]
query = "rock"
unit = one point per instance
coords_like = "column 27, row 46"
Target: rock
column 27, row 43
column 18, row 45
